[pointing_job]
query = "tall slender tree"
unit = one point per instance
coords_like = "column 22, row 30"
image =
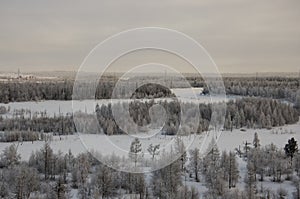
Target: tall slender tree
column 135, row 150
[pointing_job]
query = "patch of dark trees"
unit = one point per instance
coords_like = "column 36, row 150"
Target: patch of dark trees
column 62, row 125
column 151, row 91
column 139, row 112
column 63, row 90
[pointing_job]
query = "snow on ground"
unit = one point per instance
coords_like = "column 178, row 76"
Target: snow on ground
column 56, row 107
column 187, row 93
column 278, row 136
column 227, row 141
column 78, row 144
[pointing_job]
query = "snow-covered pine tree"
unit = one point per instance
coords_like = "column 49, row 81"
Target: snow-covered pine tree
column 165, row 182
column 233, row 170
column 256, row 141
column 229, row 168
column 250, row 183
column 103, row 181
column 213, row 173
column 195, row 163
column 181, row 151
column 47, row 158
column 26, row 181
column 10, row 156
column 135, row 150
column 83, row 167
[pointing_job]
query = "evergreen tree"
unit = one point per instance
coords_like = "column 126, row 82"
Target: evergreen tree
column 135, row 150
column 291, row 148
column 195, row 163
column 233, row 171
column 256, row 141
column 212, row 172
column 180, row 151
column 82, row 168
column 47, row 159
column 250, row 182
column 165, row 182
column 27, row 181
column 10, row 156
column 61, row 190
column 104, row 181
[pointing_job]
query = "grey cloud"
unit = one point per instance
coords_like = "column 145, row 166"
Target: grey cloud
column 241, row 36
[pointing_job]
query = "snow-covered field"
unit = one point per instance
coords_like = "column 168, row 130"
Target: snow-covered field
column 278, row 136
column 187, row 93
column 56, row 107
column 227, row 141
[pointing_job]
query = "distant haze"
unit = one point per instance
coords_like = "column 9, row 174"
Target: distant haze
column 241, row 36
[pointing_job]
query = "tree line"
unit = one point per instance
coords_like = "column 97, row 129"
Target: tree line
column 63, row 125
column 271, row 87
column 259, row 113
column 241, row 113
column 286, row 88
column 62, row 90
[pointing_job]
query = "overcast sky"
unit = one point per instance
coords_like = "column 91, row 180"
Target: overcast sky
column 241, row 36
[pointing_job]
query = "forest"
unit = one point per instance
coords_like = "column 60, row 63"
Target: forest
column 241, row 113
column 62, row 90
column 62, row 175
column 272, row 87
column 245, row 172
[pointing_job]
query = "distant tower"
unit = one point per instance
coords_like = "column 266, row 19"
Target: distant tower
column 18, row 72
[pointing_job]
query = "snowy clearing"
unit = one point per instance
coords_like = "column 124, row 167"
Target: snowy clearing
column 55, row 107
column 227, row 141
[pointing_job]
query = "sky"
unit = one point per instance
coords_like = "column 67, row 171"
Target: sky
column 241, row 36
